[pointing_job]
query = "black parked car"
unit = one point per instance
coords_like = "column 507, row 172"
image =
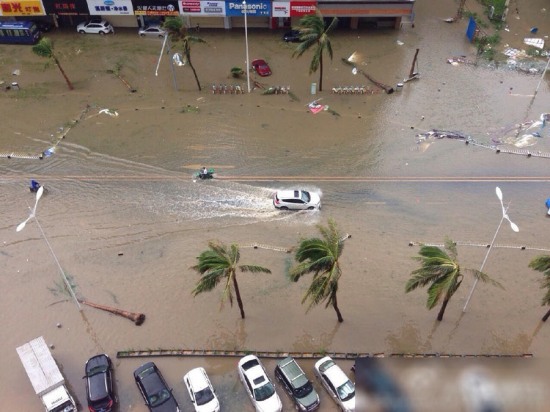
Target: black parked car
column 297, row 385
column 154, row 389
column 43, row 26
column 292, row 36
column 99, row 384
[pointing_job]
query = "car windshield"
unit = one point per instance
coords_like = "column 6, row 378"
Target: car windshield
column 304, row 390
column 204, row 396
column 346, row 391
column 97, row 369
column 305, row 196
column 263, row 392
column 159, row 397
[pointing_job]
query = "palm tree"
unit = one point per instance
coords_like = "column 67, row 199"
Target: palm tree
column 314, row 34
column 542, row 264
column 44, row 48
column 320, row 257
column 220, row 262
column 178, row 33
column 441, row 270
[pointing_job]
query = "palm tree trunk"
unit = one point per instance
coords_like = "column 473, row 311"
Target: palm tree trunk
column 546, row 316
column 188, row 55
column 335, row 305
column 321, row 74
column 63, row 73
column 238, row 295
column 442, row 310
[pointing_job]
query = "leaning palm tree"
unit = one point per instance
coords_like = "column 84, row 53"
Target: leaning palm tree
column 320, row 257
column 220, row 262
column 440, row 269
column 179, row 34
column 314, row 34
column 44, row 48
column 542, row 264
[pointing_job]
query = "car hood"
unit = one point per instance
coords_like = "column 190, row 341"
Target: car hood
column 271, row 404
column 315, row 198
column 310, row 399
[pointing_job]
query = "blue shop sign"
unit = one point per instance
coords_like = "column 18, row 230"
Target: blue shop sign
column 253, row 8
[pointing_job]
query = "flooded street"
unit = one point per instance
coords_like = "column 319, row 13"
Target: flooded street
column 125, row 220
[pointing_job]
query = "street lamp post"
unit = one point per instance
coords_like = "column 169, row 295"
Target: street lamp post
column 245, row 11
column 22, row 225
column 514, row 227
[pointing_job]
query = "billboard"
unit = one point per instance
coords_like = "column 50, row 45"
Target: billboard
column 22, row 8
column 253, row 8
column 293, row 8
column 155, row 8
column 202, row 8
column 110, row 7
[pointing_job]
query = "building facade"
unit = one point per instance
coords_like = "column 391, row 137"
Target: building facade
column 213, row 13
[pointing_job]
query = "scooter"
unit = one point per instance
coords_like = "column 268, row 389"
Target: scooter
column 204, row 174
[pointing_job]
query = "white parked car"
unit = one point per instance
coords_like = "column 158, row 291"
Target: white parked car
column 337, row 384
column 200, row 390
column 95, row 26
column 296, row 200
column 258, row 386
column 152, row 31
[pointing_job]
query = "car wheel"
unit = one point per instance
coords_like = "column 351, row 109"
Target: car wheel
column 284, row 208
column 310, row 208
column 102, row 33
column 81, row 31
column 142, row 35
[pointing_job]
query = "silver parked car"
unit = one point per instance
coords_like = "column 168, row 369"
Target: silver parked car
column 152, row 31
column 337, row 384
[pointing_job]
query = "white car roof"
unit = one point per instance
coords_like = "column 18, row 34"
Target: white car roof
column 197, row 379
column 288, row 193
column 254, row 372
column 334, row 373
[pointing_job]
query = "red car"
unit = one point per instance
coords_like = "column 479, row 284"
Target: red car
column 261, row 67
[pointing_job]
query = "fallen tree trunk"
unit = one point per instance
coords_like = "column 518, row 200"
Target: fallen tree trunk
column 386, row 88
column 137, row 318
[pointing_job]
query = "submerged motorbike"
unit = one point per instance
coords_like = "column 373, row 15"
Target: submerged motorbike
column 204, row 174
column 34, row 186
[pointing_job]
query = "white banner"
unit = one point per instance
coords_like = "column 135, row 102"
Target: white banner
column 110, row 7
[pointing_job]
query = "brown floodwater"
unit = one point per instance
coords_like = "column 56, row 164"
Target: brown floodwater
column 125, row 220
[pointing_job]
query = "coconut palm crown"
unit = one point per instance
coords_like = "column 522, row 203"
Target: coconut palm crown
column 320, row 256
column 180, row 35
column 220, row 263
column 542, row 264
column 439, row 268
column 314, row 34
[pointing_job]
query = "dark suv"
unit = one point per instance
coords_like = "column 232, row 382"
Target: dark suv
column 296, row 383
column 99, row 384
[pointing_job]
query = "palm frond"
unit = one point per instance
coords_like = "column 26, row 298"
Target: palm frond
column 206, row 283
column 44, row 48
column 485, row 278
column 541, row 264
column 254, row 269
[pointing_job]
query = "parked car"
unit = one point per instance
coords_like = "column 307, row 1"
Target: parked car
column 261, row 67
column 152, row 31
column 337, row 384
column 43, row 26
column 296, row 200
column 258, row 386
column 99, row 384
column 200, row 391
column 297, row 385
column 292, row 36
column 95, row 26
column 154, row 389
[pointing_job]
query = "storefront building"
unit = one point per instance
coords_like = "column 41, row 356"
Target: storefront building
column 213, row 13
